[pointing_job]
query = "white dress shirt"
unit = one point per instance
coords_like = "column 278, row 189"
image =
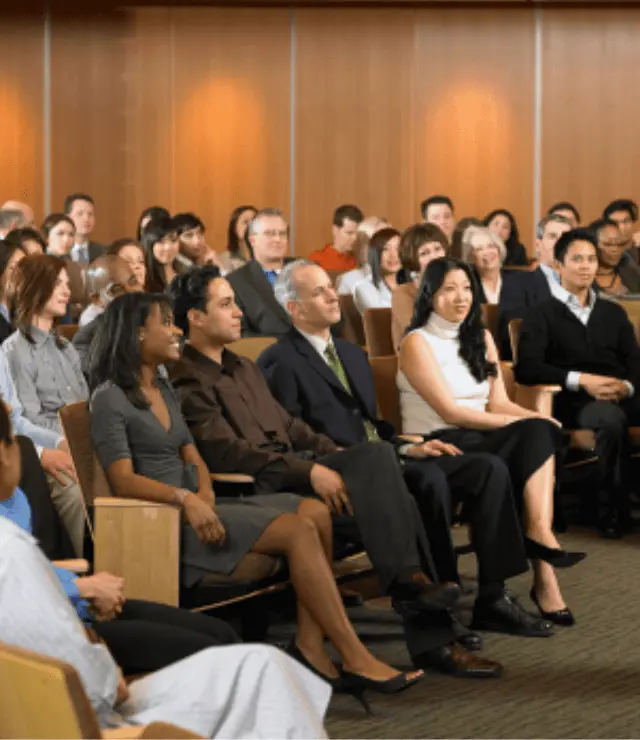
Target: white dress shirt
column 366, row 295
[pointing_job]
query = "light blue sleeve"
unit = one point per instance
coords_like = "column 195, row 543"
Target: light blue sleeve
column 40, row 436
column 67, row 580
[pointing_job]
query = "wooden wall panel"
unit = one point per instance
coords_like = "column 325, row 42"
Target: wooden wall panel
column 591, row 107
column 88, row 114
column 354, row 117
column 21, row 110
column 474, row 111
column 231, row 112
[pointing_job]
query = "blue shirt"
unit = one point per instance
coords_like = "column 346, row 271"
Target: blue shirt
column 272, row 276
column 17, row 509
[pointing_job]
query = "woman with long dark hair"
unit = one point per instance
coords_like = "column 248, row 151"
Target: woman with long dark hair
column 238, row 251
column 147, row 452
column 503, row 224
column 162, row 249
column 384, row 263
column 152, row 213
column 451, row 388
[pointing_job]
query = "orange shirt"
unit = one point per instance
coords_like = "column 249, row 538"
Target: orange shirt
column 331, row 259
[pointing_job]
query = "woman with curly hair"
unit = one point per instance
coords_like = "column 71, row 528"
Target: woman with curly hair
column 451, row 389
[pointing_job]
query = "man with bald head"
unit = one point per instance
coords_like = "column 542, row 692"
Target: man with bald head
column 107, row 277
column 23, row 208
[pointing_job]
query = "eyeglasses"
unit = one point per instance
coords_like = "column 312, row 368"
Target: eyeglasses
column 272, row 233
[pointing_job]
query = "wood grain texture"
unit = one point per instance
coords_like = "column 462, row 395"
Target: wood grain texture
column 231, row 112
column 88, row 114
column 591, row 109
column 354, row 118
column 474, row 111
column 21, row 110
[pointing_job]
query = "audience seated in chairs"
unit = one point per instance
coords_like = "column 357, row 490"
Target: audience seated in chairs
column 329, row 384
column 348, row 281
column 80, row 208
column 503, row 223
column 147, row 452
column 238, row 251
column 27, row 238
column 132, row 252
column 339, row 254
column 152, row 213
column 384, row 261
column 615, row 276
column 262, row 315
column 439, row 210
column 194, row 249
column 59, row 232
column 10, row 256
column 234, row 691
column 162, row 250
column 228, row 407
column 568, row 211
column 419, row 245
column 588, row 347
column 46, row 372
column 485, row 252
column 451, row 388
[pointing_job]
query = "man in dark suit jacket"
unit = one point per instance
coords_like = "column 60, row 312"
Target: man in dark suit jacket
column 329, row 384
column 587, row 346
column 81, row 210
column 253, row 284
column 531, row 288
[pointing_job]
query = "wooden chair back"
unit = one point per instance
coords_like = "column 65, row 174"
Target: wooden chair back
column 251, row 347
column 42, row 697
column 353, row 328
column 377, row 332
column 633, row 312
column 515, row 329
column 76, row 427
column 68, row 331
column 490, row 319
column 384, row 371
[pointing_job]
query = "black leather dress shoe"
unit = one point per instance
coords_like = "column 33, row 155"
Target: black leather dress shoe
column 454, row 660
column 508, row 616
column 416, row 594
column 465, row 637
column 614, row 526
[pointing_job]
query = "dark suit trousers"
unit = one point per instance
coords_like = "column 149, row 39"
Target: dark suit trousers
column 391, row 530
column 481, row 483
column 610, row 422
column 147, row 636
column 46, row 524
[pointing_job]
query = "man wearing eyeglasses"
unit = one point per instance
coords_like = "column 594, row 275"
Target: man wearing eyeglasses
column 253, row 283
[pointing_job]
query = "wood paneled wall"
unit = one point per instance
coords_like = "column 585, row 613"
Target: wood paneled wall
column 205, row 108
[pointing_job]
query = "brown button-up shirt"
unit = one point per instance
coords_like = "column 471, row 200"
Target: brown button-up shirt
column 238, row 425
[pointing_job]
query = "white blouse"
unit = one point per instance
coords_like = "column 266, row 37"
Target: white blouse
column 418, row 417
column 366, row 295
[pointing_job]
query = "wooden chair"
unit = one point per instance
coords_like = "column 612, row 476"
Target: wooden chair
column 377, row 332
column 352, row 329
column 41, row 697
column 632, row 307
column 490, row 317
column 68, row 331
column 251, row 347
column 140, row 540
column 384, row 371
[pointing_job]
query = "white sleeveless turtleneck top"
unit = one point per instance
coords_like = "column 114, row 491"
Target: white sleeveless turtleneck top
column 417, row 416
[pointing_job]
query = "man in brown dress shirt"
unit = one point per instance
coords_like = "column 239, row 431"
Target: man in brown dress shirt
column 239, row 427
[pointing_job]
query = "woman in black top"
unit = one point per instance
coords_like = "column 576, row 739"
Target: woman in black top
column 144, row 445
column 503, row 223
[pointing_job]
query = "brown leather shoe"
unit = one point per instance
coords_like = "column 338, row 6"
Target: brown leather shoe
column 454, row 660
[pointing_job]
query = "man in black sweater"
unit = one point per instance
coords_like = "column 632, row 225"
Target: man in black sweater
column 587, row 346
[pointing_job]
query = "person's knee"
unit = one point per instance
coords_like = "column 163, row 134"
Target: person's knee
column 428, row 484
column 612, row 420
column 491, row 467
column 316, row 511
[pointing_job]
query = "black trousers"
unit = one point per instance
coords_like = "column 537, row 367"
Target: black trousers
column 388, row 521
column 147, row 636
column 482, row 484
column 46, row 523
column 610, row 421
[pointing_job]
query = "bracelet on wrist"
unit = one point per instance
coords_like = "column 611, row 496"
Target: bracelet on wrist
column 180, row 495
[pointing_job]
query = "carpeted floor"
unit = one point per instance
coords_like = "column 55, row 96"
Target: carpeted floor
column 584, row 682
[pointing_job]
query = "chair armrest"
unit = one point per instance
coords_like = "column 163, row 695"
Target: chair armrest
column 537, row 397
column 140, row 542
column 232, row 478
column 78, row 565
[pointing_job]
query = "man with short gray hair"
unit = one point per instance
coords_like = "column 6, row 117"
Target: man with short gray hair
column 10, row 219
column 268, row 234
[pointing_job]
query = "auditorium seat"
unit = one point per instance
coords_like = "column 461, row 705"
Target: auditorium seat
column 251, row 347
column 377, row 332
column 41, row 697
column 68, row 331
column 352, row 327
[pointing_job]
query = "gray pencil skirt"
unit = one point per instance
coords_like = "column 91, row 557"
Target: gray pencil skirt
column 244, row 519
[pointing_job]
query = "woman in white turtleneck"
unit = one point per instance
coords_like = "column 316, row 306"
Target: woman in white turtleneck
column 451, row 389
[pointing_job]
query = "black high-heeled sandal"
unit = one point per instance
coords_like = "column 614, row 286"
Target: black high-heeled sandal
column 553, row 555
column 561, row 617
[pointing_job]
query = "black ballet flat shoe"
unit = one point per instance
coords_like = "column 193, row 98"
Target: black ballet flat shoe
column 561, row 617
column 337, row 683
column 553, row 555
